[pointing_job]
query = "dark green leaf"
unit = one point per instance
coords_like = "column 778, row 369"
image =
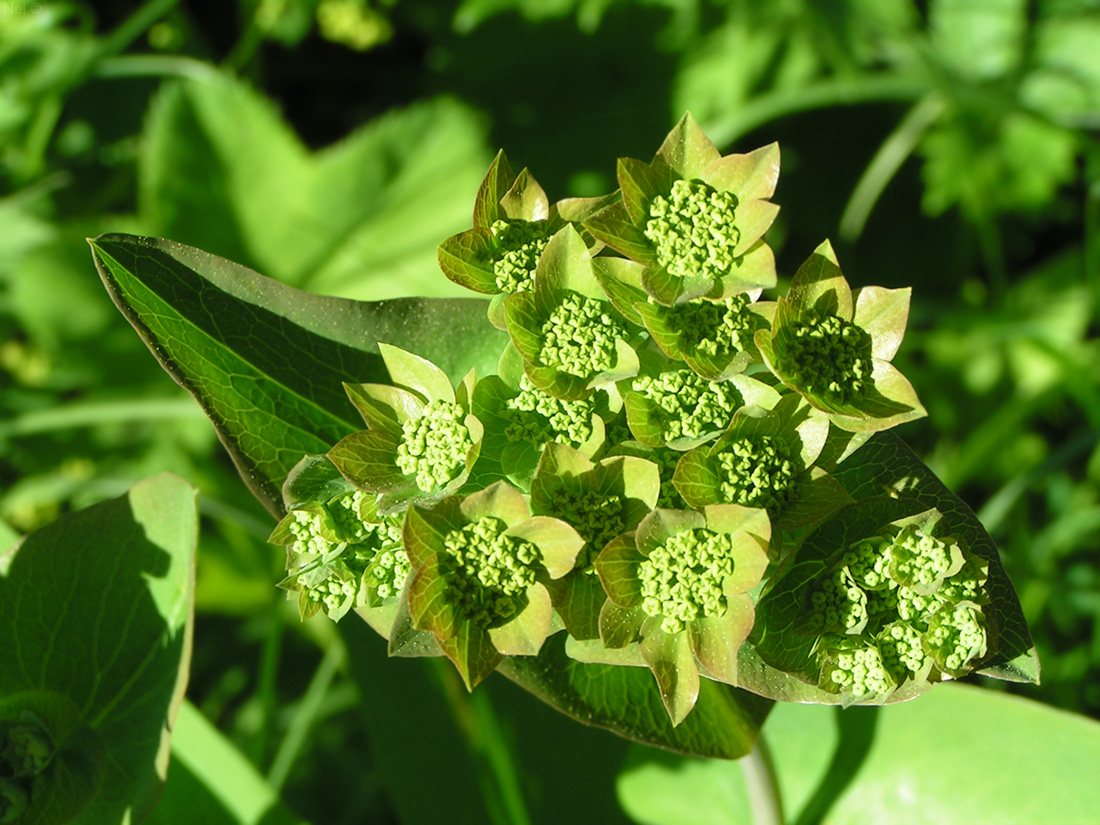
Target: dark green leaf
column 266, row 361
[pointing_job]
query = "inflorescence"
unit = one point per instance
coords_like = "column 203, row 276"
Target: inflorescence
column 539, row 417
column 690, row 406
column 488, row 572
column 827, row 356
column 682, row 580
column 517, row 246
column 694, row 229
column 757, row 472
column 579, row 336
column 434, row 446
column 717, row 328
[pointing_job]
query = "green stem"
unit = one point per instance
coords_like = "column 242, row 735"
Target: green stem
column 308, row 711
column 135, row 25
column 886, row 162
column 837, row 92
column 765, row 801
column 269, row 676
column 93, row 413
column 154, row 65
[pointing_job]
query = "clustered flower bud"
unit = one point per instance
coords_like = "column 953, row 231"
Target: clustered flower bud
column 912, row 599
column 694, row 229
column 579, row 336
column 827, row 356
column 717, row 328
column 488, row 573
column 433, row 447
column 854, row 667
column 517, row 246
column 540, row 418
column 596, row 516
column 682, row 578
column 690, row 406
column 757, row 472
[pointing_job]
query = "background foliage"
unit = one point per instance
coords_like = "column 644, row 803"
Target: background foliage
column 948, row 145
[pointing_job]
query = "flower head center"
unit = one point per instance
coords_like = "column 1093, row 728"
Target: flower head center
column 517, row 246
column 717, row 328
column 757, row 472
column 539, row 417
column 579, row 336
column 488, row 572
column 827, row 356
column 693, row 229
column 596, row 516
column 434, row 446
column 682, row 579
column 688, row 405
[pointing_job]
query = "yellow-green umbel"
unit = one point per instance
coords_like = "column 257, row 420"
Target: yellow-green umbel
column 834, row 346
column 481, row 566
column 678, row 588
column 691, row 222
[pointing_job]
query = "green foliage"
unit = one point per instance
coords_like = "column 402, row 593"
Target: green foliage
column 95, row 660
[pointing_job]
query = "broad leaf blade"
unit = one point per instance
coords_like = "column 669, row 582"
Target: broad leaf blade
column 112, row 633
column 626, row 700
column 267, row 362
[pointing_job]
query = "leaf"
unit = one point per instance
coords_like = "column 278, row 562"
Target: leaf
column 266, row 361
column 625, row 700
column 212, row 782
column 221, row 170
column 113, row 633
column 314, row 478
column 956, row 756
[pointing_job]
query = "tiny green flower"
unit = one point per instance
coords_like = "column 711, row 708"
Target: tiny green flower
column 512, row 224
column 902, row 650
column 421, row 439
column 956, row 637
column 838, row 604
column 538, row 417
column 480, row 570
column 570, row 337
column 834, row 347
column 692, row 220
column 679, row 587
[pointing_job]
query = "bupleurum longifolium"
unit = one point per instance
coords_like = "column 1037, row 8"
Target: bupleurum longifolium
column 488, row 573
column 540, row 418
column 716, row 328
column 690, row 406
column 693, row 229
column 756, row 472
column 682, row 578
column 434, row 446
column 596, row 516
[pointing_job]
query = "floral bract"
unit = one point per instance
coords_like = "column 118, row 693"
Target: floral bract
column 694, row 220
column 833, row 347
column 480, row 569
column 421, row 439
column 679, row 587
column 513, row 223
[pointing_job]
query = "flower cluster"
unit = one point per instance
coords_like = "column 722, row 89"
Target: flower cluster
column 907, row 603
column 656, row 440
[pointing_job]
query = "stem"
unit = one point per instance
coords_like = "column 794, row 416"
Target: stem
column 154, row 65
column 765, row 801
column 886, row 162
column 93, row 413
column 841, row 92
column 135, row 25
column 303, row 719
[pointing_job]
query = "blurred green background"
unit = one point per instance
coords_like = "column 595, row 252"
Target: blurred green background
column 948, row 145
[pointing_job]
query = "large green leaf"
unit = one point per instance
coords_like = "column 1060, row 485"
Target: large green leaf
column 956, row 756
column 267, row 361
column 221, row 170
column 95, row 615
column 212, row 782
column 723, row 724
